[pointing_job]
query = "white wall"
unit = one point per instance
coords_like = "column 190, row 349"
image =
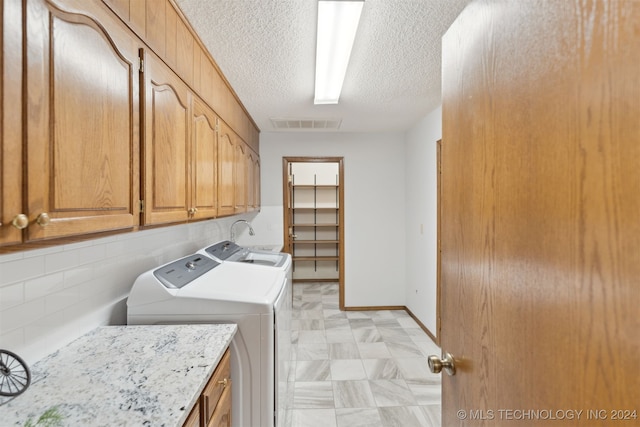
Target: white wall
column 421, row 217
column 49, row 297
column 374, row 205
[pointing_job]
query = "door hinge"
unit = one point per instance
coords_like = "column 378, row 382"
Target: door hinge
column 141, row 206
column 141, row 65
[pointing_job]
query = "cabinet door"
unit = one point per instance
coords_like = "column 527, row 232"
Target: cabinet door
column 256, row 183
column 166, row 144
column 226, row 153
column 11, row 124
column 194, row 419
column 204, row 158
column 251, row 195
column 130, row 11
column 82, row 113
column 240, row 176
column 253, row 181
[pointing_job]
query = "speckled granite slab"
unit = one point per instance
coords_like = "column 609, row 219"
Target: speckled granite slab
column 123, row 376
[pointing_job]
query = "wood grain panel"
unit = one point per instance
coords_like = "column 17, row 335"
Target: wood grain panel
column 540, row 195
column 193, row 420
column 171, row 37
column 204, row 159
column 156, row 24
column 206, row 80
column 121, row 8
column 240, row 177
column 250, row 185
column 257, row 182
column 197, row 57
column 219, row 95
column 167, row 144
column 132, row 13
column 137, row 15
column 184, row 41
column 82, row 166
column 11, row 124
column 226, row 170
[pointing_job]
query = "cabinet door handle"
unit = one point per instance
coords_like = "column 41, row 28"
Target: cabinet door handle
column 223, row 382
column 20, row 221
column 43, row 219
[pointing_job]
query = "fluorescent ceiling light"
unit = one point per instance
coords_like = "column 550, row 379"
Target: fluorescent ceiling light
column 337, row 25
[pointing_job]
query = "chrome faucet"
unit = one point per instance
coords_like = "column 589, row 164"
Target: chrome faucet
column 232, row 235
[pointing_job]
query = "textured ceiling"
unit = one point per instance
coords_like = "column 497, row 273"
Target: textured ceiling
column 266, row 49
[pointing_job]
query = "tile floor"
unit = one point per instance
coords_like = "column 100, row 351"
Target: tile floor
column 358, row 368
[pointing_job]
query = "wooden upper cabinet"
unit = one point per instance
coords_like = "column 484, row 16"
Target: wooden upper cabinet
column 132, row 12
column 166, row 145
column 256, row 183
column 184, row 54
column 253, row 181
column 226, row 153
column 204, row 194
column 181, row 149
column 156, row 19
column 82, row 120
column 240, row 176
column 11, row 124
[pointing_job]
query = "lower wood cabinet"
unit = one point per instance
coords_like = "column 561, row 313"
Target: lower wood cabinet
column 213, row 408
column 194, row 419
column 216, row 397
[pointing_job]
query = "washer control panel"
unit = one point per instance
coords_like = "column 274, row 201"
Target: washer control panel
column 223, row 250
column 183, row 271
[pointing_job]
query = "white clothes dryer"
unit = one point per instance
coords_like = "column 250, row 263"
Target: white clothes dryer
column 199, row 289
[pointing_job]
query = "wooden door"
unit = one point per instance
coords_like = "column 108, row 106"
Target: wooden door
column 226, row 153
column 167, row 144
column 11, row 124
column 82, row 113
column 541, row 200
column 240, row 176
column 204, row 158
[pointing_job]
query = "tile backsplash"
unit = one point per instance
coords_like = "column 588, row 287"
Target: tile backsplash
column 49, row 297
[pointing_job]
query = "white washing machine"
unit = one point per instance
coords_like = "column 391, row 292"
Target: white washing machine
column 199, row 289
column 227, row 252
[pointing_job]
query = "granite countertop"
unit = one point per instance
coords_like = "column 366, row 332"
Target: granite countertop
column 123, row 376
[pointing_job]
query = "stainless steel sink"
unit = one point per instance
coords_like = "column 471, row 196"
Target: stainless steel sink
column 227, row 251
column 259, row 261
column 251, row 256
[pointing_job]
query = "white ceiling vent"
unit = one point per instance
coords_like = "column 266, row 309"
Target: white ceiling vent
column 305, row 124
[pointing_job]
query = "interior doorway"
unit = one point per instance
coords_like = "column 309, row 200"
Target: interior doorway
column 313, row 191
